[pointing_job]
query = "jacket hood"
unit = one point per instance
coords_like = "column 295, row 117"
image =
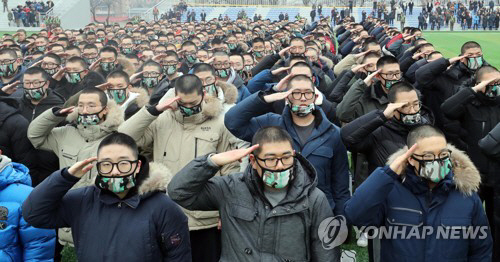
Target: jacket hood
column 230, row 92
column 8, row 107
column 211, row 107
column 305, row 180
column 126, row 65
column 157, row 180
column 114, row 117
column 143, row 98
column 11, row 173
column 466, row 177
column 328, row 62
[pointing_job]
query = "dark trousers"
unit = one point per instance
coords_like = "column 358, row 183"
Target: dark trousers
column 205, row 245
column 488, row 195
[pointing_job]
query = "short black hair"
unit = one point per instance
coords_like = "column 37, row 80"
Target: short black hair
column 203, row 67
column 172, row 53
column 400, row 87
column 151, row 63
column 422, row 132
column 11, row 52
column 103, row 98
column 386, row 60
column 485, row 70
column 301, row 78
column 119, row 74
column 36, row 70
column 258, row 40
column 188, row 84
column 77, row 59
column 469, row 45
column 370, row 55
column 109, row 49
column 117, row 138
column 270, row 134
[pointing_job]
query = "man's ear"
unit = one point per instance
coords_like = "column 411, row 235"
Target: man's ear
column 138, row 169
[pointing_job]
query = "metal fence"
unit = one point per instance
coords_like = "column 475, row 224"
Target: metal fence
column 279, row 2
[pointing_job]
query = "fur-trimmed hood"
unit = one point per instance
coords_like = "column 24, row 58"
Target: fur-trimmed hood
column 157, row 180
column 114, row 118
column 143, row 97
column 229, row 92
column 126, row 65
column 466, row 177
column 328, row 62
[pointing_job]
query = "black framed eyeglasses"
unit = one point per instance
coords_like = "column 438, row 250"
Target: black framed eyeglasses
column 273, row 162
column 298, row 95
column 35, row 84
column 431, row 157
column 391, row 76
column 124, row 166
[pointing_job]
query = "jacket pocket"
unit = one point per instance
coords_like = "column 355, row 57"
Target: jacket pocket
column 321, row 158
column 205, row 143
column 404, row 228
column 241, row 212
column 294, row 237
column 401, row 216
column 454, row 235
column 69, row 154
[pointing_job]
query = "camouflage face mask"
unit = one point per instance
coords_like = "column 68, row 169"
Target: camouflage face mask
column 108, row 66
column 119, row 95
column 7, row 70
column 150, row 82
column 115, row 184
column 35, row 94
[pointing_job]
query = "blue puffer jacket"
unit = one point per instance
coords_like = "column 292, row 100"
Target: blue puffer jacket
column 18, row 240
column 405, row 204
column 324, row 148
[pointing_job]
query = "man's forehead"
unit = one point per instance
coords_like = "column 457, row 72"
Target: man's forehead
column 89, row 98
column 151, row 68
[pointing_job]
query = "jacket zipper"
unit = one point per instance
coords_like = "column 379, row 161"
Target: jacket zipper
column 34, row 112
column 195, row 147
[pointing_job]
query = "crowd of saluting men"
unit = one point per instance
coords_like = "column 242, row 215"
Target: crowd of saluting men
column 234, row 140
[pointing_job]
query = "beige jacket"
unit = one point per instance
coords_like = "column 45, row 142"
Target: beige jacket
column 345, row 64
column 73, row 143
column 176, row 140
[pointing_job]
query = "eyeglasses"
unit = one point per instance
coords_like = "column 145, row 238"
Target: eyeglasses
column 416, row 107
column 298, row 95
column 49, row 65
column 124, row 166
column 151, row 74
column 391, row 76
column 431, row 157
column 222, row 65
column 90, row 55
column 273, row 162
column 35, row 83
column 9, row 61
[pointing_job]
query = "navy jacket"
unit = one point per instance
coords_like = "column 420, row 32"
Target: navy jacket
column 144, row 226
column 324, row 148
column 405, row 202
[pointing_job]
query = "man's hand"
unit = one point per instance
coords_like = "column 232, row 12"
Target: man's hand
column 369, row 79
column 36, row 64
column 104, row 86
column 283, row 84
column 94, row 65
column 279, row 70
column 361, row 54
column 65, row 111
column 80, row 168
column 59, row 74
column 277, row 96
column 168, row 104
column 157, row 58
column 284, row 51
column 455, row 59
column 399, row 164
column 135, row 77
column 358, row 67
column 482, row 86
column 228, row 157
column 11, row 88
column 391, row 109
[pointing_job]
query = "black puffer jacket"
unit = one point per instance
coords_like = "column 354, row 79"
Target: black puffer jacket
column 478, row 115
column 14, row 141
column 377, row 137
column 67, row 90
column 30, row 111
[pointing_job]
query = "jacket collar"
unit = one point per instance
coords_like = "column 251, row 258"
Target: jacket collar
column 464, row 176
column 303, row 182
column 114, row 118
column 152, row 178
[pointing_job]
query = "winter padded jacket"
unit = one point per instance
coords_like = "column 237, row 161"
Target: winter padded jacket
column 19, row 241
column 324, row 148
column 144, row 226
column 175, row 140
column 73, row 142
column 406, row 204
column 252, row 229
column 478, row 115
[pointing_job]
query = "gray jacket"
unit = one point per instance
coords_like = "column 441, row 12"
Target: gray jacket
column 253, row 230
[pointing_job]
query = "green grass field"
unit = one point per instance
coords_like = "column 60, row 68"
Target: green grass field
column 449, row 43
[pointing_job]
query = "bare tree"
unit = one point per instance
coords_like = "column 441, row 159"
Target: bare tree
column 96, row 3
column 93, row 6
